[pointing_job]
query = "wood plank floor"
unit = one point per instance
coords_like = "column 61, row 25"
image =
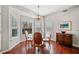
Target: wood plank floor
column 54, row 48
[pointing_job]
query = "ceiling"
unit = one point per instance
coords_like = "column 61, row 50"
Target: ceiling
column 47, row 9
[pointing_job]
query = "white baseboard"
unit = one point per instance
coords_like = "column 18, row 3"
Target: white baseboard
column 11, row 47
column 75, row 45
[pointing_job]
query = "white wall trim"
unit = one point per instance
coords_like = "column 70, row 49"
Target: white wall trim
column 11, row 47
column 75, row 45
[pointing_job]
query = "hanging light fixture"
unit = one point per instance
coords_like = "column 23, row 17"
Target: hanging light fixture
column 38, row 13
column 38, row 16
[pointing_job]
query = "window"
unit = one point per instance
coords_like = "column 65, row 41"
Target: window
column 14, row 32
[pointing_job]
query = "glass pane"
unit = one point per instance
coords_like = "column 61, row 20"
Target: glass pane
column 39, row 26
column 14, row 32
column 27, row 27
column 48, row 28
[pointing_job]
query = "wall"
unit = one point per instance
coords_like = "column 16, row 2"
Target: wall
column 8, row 41
column 71, row 15
column 18, row 15
column 5, row 27
column 0, row 27
column 13, row 40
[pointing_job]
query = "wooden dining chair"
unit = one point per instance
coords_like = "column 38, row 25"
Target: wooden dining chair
column 38, row 41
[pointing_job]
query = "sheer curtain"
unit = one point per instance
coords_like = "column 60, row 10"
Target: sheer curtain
column 39, row 26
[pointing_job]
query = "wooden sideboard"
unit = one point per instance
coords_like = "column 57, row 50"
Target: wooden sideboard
column 65, row 39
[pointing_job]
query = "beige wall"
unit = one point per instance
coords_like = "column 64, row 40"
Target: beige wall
column 18, row 15
column 5, row 27
column 8, row 41
column 71, row 15
column 0, row 27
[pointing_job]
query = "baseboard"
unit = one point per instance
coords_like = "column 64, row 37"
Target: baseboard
column 14, row 45
column 11, row 47
column 75, row 45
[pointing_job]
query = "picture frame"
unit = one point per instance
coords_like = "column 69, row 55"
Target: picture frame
column 65, row 25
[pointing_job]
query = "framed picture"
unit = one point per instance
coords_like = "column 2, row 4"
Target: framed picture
column 65, row 26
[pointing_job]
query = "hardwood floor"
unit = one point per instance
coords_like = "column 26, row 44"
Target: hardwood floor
column 54, row 48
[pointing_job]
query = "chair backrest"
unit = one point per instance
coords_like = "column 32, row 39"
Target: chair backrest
column 37, row 38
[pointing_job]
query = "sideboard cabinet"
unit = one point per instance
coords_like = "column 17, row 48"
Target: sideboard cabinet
column 63, row 38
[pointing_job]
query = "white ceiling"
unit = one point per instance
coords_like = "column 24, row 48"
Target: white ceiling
column 47, row 9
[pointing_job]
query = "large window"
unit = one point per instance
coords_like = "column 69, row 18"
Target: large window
column 39, row 26
column 27, row 27
column 48, row 28
column 45, row 26
column 14, row 26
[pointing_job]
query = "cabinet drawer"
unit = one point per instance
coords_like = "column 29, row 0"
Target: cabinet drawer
column 65, row 39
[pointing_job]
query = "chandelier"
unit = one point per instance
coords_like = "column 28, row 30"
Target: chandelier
column 38, row 16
